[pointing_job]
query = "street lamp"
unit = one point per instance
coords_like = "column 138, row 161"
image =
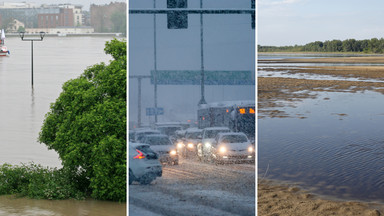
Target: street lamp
column 22, row 34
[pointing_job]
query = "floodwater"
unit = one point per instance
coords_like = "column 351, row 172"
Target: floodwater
column 22, row 110
column 332, row 145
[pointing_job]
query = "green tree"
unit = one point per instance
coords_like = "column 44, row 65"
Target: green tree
column 86, row 126
column 119, row 20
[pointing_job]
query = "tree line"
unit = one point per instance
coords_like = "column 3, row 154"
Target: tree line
column 373, row 45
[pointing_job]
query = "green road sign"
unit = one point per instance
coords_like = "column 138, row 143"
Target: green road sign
column 190, row 77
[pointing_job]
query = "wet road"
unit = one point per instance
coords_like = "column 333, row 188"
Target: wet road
column 195, row 188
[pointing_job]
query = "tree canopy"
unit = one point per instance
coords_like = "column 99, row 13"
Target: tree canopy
column 86, row 126
column 373, row 45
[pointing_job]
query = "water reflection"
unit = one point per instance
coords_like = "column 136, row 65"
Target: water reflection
column 337, row 150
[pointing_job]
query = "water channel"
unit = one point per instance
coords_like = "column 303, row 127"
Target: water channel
column 22, row 110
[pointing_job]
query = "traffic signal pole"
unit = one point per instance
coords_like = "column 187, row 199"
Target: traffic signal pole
column 155, row 60
column 202, row 100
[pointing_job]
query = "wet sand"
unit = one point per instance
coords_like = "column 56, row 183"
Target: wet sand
column 276, row 198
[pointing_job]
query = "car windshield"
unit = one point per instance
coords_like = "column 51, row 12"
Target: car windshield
column 158, row 141
column 213, row 133
column 193, row 135
column 234, row 139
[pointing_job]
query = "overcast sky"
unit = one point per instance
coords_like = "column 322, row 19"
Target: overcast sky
column 290, row 22
column 85, row 3
column 229, row 44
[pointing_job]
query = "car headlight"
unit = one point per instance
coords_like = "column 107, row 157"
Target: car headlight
column 250, row 149
column 222, row 149
column 180, row 145
column 190, row 145
column 207, row 144
column 173, row 152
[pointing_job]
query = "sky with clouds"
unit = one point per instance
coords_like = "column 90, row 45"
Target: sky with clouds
column 291, row 22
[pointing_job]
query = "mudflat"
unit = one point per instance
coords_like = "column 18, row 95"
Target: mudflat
column 277, row 198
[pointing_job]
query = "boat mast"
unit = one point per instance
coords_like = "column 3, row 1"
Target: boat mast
column 2, row 37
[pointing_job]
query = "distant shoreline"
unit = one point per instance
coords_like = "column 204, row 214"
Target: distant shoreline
column 320, row 53
column 72, row 35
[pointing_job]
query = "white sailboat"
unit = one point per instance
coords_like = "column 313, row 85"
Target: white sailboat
column 3, row 49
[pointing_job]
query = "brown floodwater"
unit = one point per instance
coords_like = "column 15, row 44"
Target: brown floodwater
column 10, row 206
column 22, row 110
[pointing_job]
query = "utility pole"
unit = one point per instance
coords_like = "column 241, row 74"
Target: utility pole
column 139, row 78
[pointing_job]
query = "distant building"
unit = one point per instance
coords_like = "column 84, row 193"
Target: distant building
column 102, row 16
column 45, row 16
column 10, row 5
column 14, row 26
column 53, row 20
column 61, row 30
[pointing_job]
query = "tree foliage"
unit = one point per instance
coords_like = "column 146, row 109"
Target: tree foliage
column 86, row 126
column 373, row 45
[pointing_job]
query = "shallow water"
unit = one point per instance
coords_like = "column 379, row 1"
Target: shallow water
column 337, row 150
column 22, row 110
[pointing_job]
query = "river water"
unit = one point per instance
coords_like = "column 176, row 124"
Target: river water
column 22, row 110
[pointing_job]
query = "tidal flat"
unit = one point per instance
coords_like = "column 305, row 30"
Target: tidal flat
column 326, row 129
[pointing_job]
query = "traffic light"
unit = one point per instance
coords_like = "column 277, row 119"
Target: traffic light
column 177, row 19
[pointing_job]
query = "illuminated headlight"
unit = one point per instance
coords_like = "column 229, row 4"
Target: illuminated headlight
column 250, row 149
column 190, row 145
column 180, row 145
column 207, row 144
column 222, row 149
column 173, row 152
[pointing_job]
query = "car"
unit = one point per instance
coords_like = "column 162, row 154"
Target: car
column 144, row 164
column 209, row 134
column 193, row 137
column 163, row 146
column 232, row 147
column 140, row 134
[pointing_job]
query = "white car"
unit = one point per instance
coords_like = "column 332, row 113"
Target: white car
column 208, row 138
column 162, row 145
column 144, row 164
column 234, row 147
column 140, row 134
column 193, row 137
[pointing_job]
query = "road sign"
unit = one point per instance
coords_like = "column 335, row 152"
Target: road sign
column 151, row 111
column 189, row 77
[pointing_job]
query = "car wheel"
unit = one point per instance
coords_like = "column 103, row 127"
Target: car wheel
column 130, row 177
column 146, row 179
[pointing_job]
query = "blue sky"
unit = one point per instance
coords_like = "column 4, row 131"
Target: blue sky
column 290, row 22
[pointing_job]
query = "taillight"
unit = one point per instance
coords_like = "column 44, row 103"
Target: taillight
column 140, row 155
